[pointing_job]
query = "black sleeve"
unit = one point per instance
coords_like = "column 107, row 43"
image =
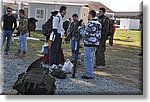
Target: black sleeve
column 15, row 23
column 2, row 20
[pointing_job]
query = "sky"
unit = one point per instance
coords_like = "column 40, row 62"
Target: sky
column 121, row 5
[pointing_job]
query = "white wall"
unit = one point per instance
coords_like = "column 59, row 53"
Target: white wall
column 71, row 9
column 124, row 23
column 84, row 14
column 134, row 24
column 47, row 8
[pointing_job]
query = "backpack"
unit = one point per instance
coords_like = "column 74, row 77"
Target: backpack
column 35, row 81
column 111, row 25
column 48, row 27
column 32, row 24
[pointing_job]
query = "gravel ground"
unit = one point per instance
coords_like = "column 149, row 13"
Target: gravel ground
column 98, row 86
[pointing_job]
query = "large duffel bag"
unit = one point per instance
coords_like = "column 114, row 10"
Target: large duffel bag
column 35, row 81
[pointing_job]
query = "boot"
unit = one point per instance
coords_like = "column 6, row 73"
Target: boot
column 24, row 54
column 18, row 53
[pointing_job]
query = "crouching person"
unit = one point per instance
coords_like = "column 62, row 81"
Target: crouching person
column 23, row 30
column 92, row 34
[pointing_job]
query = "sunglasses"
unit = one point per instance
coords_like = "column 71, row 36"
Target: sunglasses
column 9, row 11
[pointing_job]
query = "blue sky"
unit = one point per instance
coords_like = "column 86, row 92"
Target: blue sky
column 122, row 5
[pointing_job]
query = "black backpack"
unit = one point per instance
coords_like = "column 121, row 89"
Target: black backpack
column 48, row 27
column 32, row 24
column 35, row 81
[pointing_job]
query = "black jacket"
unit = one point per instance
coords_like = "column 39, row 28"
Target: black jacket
column 9, row 22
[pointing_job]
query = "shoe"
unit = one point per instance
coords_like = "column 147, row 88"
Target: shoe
column 86, row 77
column 79, row 63
column 60, row 66
column 6, row 53
column 54, row 66
column 72, row 61
column 100, row 67
column 18, row 53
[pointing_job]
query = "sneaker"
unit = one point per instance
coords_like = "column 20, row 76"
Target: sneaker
column 100, row 67
column 60, row 66
column 6, row 53
column 86, row 77
column 54, row 66
column 79, row 63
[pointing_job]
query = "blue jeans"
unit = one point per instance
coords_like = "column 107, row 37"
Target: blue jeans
column 22, row 42
column 8, row 34
column 73, row 43
column 89, row 53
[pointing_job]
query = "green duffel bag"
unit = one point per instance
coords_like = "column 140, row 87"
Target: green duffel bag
column 36, row 81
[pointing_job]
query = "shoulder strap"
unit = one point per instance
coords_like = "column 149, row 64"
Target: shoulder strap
column 59, row 20
column 104, row 18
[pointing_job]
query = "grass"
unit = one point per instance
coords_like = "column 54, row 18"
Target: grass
column 122, row 60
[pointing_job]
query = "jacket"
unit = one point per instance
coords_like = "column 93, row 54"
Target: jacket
column 92, row 33
column 23, row 25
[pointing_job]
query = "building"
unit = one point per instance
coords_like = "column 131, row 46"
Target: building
column 127, row 20
column 41, row 10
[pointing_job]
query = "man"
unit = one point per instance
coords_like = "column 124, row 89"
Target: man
column 92, row 34
column 100, row 52
column 56, row 37
column 8, row 26
column 23, row 30
column 74, row 33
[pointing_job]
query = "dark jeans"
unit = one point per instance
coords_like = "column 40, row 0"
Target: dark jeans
column 6, row 34
column 100, row 52
column 55, row 50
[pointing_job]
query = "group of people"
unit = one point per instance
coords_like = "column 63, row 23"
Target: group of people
column 9, row 24
column 94, row 34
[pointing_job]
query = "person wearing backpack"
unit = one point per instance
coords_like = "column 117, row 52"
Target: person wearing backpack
column 100, row 52
column 56, row 37
column 48, row 26
column 92, row 34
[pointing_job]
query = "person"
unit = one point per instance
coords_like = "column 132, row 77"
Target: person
column 56, row 37
column 23, row 30
column 74, row 32
column 92, row 34
column 9, row 24
column 111, row 37
column 100, row 52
